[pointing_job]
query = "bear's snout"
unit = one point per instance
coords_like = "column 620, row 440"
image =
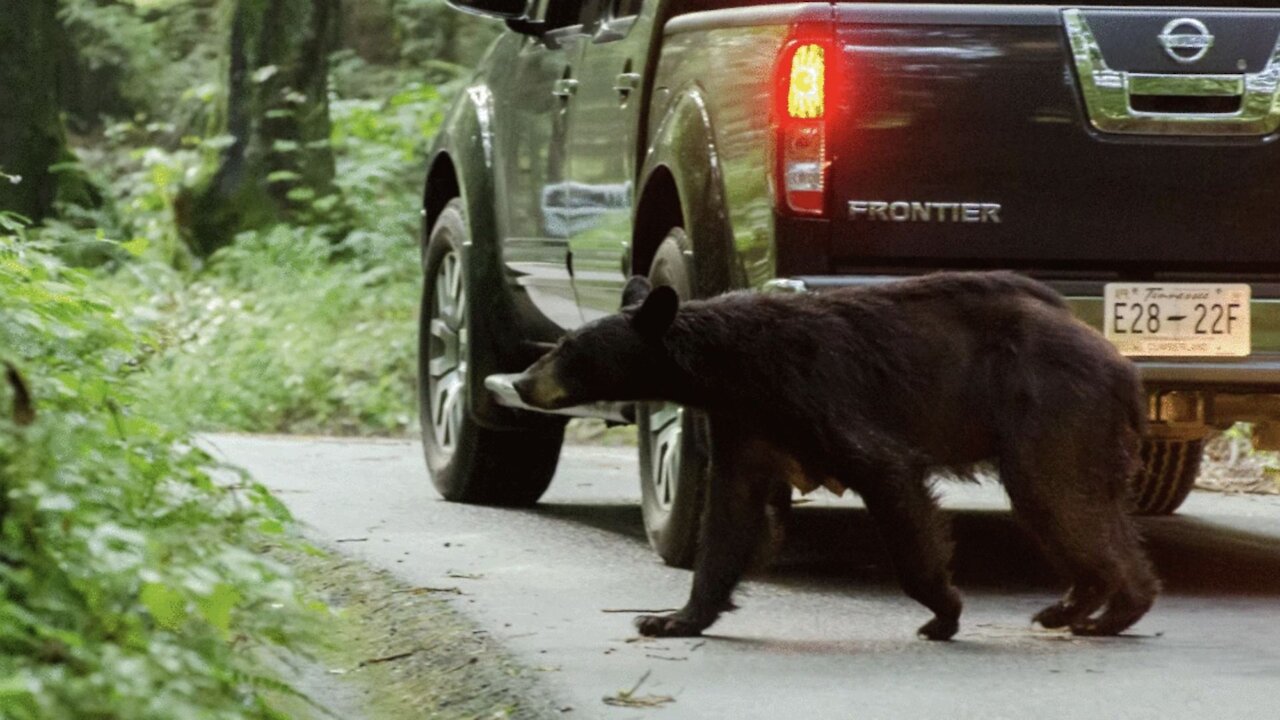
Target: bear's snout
column 524, row 388
column 540, row 390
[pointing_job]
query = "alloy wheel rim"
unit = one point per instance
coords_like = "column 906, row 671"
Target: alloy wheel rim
column 447, row 353
column 666, row 428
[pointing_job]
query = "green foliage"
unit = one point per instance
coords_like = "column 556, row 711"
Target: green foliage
column 131, row 582
column 281, row 335
column 128, row 583
column 288, row 329
column 433, row 31
column 295, row 328
column 154, row 58
column 424, row 36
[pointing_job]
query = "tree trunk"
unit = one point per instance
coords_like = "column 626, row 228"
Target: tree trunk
column 32, row 137
column 92, row 88
column 279, row 160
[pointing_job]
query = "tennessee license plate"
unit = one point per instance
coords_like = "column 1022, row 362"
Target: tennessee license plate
column 1178, row 320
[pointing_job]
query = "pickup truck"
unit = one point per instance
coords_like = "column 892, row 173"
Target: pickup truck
column 1125, row 154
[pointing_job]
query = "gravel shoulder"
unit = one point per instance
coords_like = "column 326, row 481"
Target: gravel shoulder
column 400, row 651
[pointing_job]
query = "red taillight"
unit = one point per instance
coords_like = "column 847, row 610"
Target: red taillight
column 803, row 81
column 807, row 82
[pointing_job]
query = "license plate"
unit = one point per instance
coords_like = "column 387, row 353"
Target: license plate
column 1178, row 320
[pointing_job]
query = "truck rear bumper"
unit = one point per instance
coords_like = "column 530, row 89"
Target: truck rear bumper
column 1215, row 391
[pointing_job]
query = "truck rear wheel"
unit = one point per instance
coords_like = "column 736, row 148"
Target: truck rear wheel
column 1170, row 465
column 674, row 465
column 468, row 462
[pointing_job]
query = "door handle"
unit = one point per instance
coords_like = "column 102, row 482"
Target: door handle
column 626, row 82
column 565, row 88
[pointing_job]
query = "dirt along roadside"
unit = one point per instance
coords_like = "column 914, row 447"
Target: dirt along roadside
column 396, row 651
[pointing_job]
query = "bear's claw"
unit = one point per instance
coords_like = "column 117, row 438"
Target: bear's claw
column 939, row 629
column 667, row 626
column 1056, row 616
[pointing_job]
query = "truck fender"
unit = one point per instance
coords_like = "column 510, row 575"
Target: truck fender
column 684, row 148
column 465, row 146
column 465, row 142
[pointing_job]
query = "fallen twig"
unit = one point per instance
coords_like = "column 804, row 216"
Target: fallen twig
column 424, row 590
column 637, row 610
column 628, row 698
column 386, row 658
column 472, row 661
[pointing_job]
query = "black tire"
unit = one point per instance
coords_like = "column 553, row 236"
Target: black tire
column 674, row 463
column 468, row 462
column 1171, row 463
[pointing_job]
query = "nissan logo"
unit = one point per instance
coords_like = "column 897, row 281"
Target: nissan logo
column 1186, row 40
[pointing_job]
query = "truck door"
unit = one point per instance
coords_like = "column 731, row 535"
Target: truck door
column 535, row 100
column 603, row 128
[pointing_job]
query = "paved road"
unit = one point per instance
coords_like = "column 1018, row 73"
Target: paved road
column 827, row 634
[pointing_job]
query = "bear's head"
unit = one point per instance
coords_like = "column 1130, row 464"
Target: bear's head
column 617, row 358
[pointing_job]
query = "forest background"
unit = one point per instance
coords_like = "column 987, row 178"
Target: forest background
column 208, row 222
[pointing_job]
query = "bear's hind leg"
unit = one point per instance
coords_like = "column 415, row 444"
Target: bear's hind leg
column 918, row 540
column 1137, row 590
column 745, row 470
column 1080, row 601
column 1084, row 530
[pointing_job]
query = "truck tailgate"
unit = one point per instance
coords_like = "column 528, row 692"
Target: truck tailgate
column 1044, row 138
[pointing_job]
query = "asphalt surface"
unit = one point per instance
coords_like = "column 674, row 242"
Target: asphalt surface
column 826, row 634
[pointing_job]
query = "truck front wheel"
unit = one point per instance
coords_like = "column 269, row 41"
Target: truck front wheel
column 468, row 462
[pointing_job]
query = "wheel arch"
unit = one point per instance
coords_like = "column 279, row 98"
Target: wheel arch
column 462, row 165
column 657, row 211
column 683, row 184
column 441, row 187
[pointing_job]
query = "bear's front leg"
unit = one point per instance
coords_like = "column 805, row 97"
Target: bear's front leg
column 917, row 538
column 742, row 470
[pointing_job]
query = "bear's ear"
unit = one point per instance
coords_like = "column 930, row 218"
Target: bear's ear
column 636, row 291
column 655, row 315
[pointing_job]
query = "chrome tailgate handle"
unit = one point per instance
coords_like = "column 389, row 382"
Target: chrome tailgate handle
column 1109, row 93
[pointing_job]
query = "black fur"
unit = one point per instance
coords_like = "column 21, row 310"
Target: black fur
column 873, row 389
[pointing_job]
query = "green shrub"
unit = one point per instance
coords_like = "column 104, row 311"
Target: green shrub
column 155, row 59
column 288, row 329
column 130, row 586
column 280, row 336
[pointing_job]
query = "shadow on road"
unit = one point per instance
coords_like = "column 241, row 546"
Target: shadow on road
column 824, row 544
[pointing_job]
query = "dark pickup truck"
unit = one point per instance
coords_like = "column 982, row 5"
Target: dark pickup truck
column 1126, row 155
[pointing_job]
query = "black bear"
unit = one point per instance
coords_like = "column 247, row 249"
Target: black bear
column 873, row 389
